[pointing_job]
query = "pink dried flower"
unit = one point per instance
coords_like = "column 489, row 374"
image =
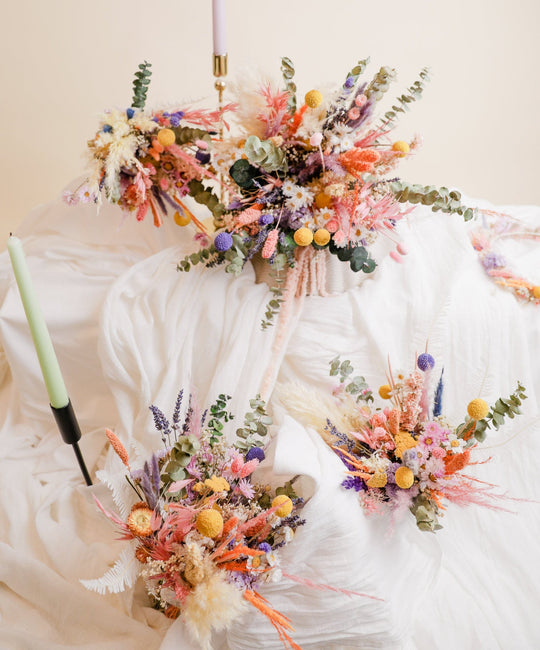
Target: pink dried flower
column 245, row 488
column 270, row 244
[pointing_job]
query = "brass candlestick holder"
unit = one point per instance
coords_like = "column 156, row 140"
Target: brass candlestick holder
column 220, row 70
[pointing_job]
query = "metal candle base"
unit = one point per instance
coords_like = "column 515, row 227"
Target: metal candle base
column 71, row 434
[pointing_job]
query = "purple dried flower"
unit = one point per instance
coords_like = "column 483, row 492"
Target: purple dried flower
column 223, row 241
column 265, row 219
column 265, row 546
column 493, row 261
column 349, row 82
column 353, row 483
column 160, row 421
column 425, row 362
column 255, row 452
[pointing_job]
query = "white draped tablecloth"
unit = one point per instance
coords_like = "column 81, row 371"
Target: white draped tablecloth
column 130, row 331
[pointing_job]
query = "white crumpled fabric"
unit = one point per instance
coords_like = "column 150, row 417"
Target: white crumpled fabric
column 130, row 331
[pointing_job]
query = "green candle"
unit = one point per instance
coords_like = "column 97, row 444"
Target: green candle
column 50, row 369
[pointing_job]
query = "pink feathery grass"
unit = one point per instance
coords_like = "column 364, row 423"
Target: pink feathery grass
column 321, row 587
column 275, row 113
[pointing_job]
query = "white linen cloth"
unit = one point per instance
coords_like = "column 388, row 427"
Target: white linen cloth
column 130, row 331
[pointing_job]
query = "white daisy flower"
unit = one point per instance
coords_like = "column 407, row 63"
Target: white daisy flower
column 300, row 198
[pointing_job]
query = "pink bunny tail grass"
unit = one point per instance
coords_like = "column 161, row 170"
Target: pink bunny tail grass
column 270, row 244
column 320, row 587
column 118, row 447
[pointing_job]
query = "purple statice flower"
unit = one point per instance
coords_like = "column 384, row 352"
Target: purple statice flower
column 265, row 547
column 492, row 261
column 203, row 157
column 176, row 118
column 349, row 82
column 391, row 472
column 353, row 483
column 235, row 205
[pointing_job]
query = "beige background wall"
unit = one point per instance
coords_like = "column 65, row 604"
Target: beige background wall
column 63, row 61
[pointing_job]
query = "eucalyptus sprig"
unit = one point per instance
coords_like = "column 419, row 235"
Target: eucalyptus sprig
column 509, row 407
column 219, row 415
column 256, row 423
column 440, row 199
column 287, row 70
column 140, row 85
column 354, row 74
column 353, row 385
column 413, row 94
column 380, row 83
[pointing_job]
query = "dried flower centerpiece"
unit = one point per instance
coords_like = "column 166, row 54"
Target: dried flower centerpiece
column 316, row 177
column 405, row 455
column 204, row 533
column 150, row 160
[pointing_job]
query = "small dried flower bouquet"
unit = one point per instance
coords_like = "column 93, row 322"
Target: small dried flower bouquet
column 405, row 455
column 204, row 533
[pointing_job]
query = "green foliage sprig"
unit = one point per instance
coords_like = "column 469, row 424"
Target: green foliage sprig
column 256, row 423
column 413, row 94
column 354, row 385
column 380, row 83
column 181, row 454
column 440, row 199
column 140, row 85
column 287, row 70
column 265, row 154
column 274, row 305
column 358, row 257
column 355, row 73
column 509, row 407
column 207, row 256
column 219, row 415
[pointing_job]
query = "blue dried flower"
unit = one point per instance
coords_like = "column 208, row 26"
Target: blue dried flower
column 353, row 483
column 107, row 128
column 130, row 112
column 255, row 452
column 223, row 241
column 203, row 157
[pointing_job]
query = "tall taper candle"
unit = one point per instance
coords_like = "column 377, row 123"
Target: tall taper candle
column 54, row 382
column 218, row 25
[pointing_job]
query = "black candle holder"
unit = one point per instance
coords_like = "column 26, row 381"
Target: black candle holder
column 71, row 434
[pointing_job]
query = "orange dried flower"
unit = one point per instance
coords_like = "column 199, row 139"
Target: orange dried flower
column 118, row 447
column 172, row 612
column 139, row 520
column 455, row 462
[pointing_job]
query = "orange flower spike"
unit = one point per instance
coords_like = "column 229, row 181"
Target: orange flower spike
column 237, row 551
column 298, row 118
column 393, row 421
column 229, row 526
column 118, row 447
column 157, row 219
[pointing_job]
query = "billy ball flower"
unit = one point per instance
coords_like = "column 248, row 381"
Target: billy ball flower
column 303, row 236
column 285, row 505
column 209, row 523
column 404, row 477
column 477, row 409
column 223, row 241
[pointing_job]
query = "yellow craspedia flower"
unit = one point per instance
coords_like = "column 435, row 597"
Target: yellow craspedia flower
column 536, row 292
column 404, row 477
column 209, row 523
column 303, row 236
column 313, row 98
column 378, row 480
column 321, row 237
column 181, row 219
column 285, row 505
column 322, row 200
column 401, row 147
column 166, row 137
column 477, row 409
column 385, row 390
column 217, row 484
